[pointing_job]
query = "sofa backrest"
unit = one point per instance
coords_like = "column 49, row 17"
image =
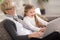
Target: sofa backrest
column 3, row 33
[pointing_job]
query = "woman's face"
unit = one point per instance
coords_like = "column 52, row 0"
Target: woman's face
column 31, row 12
column 10, row 11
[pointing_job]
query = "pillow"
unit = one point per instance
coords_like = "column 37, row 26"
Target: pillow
column 37, row 11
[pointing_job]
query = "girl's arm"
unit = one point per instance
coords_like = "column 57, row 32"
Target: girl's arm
column 30, row 26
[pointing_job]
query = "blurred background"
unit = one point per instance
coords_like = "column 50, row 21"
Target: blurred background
column 48, row 8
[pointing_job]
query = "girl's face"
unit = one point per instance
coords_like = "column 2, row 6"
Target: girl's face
column 31, row 12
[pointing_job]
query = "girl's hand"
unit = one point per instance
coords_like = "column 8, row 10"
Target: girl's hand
column 42, row 29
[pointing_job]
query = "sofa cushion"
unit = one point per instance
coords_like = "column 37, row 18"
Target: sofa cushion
column 3, row 33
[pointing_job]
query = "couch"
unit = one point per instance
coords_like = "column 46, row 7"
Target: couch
column 4, row 35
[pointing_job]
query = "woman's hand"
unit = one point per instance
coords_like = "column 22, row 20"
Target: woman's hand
column 36, row 35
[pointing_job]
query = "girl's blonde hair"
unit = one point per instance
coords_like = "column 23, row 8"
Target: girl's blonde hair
column 26, row 9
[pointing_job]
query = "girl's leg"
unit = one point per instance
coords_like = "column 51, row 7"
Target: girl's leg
column 35, row 39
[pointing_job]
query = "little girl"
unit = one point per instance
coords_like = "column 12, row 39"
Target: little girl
column 34, row 22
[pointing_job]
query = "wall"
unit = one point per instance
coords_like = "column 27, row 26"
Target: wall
column 53, row 7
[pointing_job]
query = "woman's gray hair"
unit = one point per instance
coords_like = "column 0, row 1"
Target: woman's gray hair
column 6, row 5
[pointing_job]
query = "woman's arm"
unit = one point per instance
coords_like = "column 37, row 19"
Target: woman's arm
column 10, row 28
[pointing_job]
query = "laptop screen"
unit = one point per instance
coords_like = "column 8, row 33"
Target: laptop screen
column 52, row 26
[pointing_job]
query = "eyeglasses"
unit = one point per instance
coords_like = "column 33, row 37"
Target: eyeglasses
column 12, row 8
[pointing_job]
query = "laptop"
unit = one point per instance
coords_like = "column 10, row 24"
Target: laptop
column 52, row 26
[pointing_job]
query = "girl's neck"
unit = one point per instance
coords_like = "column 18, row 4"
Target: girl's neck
column 31, row 16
